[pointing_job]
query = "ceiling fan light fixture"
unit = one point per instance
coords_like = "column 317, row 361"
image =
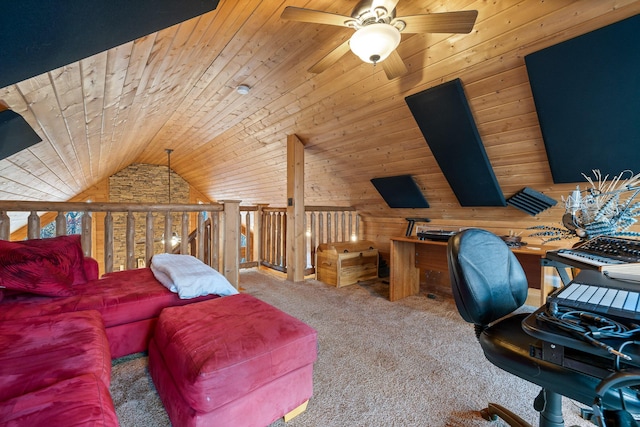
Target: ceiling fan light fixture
column 375, row 42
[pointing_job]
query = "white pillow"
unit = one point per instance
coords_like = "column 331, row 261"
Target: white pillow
column 189, row 277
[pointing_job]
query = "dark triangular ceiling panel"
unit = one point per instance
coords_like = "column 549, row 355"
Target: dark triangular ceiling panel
column 39, row 36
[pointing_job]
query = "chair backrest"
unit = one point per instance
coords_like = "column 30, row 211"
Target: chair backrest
column 487, row 280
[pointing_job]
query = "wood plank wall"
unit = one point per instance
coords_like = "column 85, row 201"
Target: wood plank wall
column 175, row 88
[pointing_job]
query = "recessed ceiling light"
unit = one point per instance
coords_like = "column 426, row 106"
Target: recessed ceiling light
column 243, row 89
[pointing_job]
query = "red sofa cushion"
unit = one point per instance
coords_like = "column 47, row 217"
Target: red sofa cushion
column 42, row 266
column 120, row 297
column 40, row 351
column 78, row 401
column 220, row 350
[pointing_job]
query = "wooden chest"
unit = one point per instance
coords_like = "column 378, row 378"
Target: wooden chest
column 345, row 263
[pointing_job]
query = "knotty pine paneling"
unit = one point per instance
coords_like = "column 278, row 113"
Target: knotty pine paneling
column 176, row 89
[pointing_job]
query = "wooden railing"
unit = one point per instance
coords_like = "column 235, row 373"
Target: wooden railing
column 226, row 236
column 266, row 240
column 216, row 238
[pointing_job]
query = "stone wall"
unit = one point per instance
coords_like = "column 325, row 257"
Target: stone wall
column 144, row 183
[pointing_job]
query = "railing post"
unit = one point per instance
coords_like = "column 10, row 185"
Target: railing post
column 231, row 237
column 33, row 228
column 5, row 226
column 108, row 243
column 130, row 241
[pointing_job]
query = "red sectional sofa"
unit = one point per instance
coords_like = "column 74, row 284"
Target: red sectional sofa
column 60, row 326
column 55, row 370
column 129, row 301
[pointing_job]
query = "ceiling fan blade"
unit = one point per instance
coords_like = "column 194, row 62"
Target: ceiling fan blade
column 291, row 13
column 394, row 66
column 447, row 22
column 331, row 58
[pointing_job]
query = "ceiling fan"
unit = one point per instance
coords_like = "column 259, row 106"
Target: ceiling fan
column 377, row 31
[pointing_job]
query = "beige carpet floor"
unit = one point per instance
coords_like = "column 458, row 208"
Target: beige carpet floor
column 413, row 362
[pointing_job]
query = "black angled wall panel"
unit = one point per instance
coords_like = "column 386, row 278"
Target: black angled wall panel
column 587, row 96
column 444, row 117
column 400, row 192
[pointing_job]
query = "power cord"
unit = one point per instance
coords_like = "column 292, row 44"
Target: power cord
column 590, row 327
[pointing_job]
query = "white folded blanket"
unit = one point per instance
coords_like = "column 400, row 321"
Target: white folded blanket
column 188, row 276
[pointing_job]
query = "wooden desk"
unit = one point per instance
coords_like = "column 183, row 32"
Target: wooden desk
column 409, row 255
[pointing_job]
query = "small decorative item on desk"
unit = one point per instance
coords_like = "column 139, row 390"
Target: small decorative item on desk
column 606, row 208
column 513, row 240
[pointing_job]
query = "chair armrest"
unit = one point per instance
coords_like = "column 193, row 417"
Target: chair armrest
column 91, row 268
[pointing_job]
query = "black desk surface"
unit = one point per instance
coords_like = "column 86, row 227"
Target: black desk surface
column 550, row 334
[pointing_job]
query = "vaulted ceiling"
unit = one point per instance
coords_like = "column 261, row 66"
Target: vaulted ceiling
column 176, row 88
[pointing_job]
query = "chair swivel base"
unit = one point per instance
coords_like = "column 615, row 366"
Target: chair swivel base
column 547, row 403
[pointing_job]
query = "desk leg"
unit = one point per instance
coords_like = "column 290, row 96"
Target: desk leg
column 405, row 276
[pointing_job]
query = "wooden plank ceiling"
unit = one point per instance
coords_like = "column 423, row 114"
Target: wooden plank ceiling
column 176, row 89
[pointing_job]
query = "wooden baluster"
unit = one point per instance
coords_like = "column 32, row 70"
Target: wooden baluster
column 108, row 242
column 239, row 248
column 335, row 228
column 250, row 238
column 5, row 226
column 278, row 239
column 350, row 226
column 87, row 230
column 215, row 240
column 149, row 238
column 259, row 233
column 130, row 241
column 184, row 234
column 200, row 237
column 329, row 227
column 33, row 228
column 268, row 246
column 321, row 228
column 168, row 233
column 312, row 238
column 283, row 234
column 61, row 224
column 343, row 227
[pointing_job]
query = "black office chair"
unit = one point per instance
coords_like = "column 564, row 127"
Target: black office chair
column 488, row 283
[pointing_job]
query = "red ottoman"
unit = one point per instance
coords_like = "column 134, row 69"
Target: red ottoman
column 232, row 361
